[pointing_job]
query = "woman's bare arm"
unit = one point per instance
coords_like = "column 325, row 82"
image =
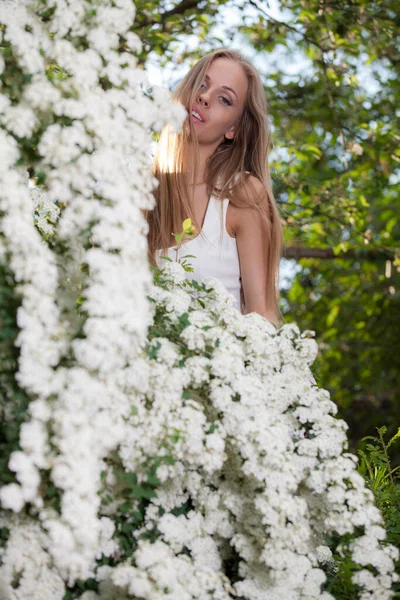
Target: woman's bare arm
column 252, row 240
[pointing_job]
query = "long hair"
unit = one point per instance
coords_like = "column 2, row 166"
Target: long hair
column 227, row 169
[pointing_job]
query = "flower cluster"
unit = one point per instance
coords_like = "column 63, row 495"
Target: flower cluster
column 80, row 115
column 260, row 473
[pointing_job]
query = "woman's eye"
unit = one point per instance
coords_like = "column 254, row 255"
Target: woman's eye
column 225, row 100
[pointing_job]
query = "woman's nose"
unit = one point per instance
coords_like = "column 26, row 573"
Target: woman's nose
column 204, row 98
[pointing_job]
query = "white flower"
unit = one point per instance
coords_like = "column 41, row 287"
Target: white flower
column 175, row 272
column 324, row 555
column 20, row 120
column 178, row 303
column 26, row 558
column 33, row 441
column 26, row 473
column 41, row 94
column 133, row 42
column 107, row 545
column 198, row 368
column 12, row 497
column 166, row 352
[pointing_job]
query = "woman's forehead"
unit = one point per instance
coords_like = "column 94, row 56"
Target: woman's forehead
column 226, row 72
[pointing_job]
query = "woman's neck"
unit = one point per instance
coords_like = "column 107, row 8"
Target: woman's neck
column 205, row 151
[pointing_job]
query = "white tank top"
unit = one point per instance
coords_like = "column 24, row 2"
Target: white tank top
column 215, row 251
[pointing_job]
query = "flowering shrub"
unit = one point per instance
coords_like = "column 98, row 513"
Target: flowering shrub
column 231, row 472
column 383, row 478
column 155, row 442
column 253, row 475
column 77, row 115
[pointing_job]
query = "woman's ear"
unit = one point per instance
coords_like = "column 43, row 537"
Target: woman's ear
column 230, row 134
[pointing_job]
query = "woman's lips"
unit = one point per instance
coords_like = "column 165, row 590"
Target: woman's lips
column 196, row 120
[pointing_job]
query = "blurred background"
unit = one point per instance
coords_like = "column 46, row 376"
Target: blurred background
column 331, row 76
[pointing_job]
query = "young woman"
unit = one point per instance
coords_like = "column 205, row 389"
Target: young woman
column 215, row 171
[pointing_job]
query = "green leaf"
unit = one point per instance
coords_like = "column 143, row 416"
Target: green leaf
column 332, row 315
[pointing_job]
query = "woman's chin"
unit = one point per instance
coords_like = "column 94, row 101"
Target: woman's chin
column 187, row 130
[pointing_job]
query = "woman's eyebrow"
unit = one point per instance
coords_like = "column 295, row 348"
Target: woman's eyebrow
column 223, row 86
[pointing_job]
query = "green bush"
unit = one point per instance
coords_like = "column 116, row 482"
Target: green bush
column 383, row 479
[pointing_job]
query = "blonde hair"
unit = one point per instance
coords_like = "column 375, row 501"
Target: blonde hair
column 177, row 154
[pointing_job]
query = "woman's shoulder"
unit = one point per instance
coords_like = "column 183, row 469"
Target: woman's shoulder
column 244, row 207
column 249, row 191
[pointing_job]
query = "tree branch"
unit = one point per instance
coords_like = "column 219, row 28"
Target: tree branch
column 179, row 9
column 297, row 253
column 290, row 27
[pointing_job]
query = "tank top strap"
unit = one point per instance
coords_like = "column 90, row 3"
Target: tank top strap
column 214, row 228
column 216, row 213
column 207, row 223
column 225, row 210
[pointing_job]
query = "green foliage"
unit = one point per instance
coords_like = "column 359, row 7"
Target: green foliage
column 129, row 496
column 130, row 512
column 13, row 79
column 13, row 400
column 12, row 84
column 79, row 588
column 4, row 535
column 355, row 316
column 163, row 25
column 336, row 172
column 384, row 481
column 340, row 572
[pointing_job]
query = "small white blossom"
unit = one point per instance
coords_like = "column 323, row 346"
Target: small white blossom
column 20, row 120
column 12, row 497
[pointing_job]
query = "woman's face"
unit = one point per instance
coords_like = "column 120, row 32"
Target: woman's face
column 220, row 101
